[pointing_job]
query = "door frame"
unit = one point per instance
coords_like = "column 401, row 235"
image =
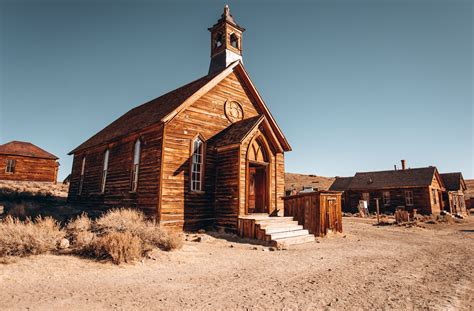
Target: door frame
column 268, row 166
column 266, row 186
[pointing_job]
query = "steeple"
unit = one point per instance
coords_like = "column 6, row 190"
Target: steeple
column 226, row 42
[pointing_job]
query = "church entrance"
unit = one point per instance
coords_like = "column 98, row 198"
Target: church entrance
column 258, row 180
column 257, row 202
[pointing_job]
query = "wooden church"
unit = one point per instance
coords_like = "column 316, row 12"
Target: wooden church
column 207, row 153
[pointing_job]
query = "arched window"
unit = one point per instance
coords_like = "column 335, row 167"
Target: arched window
column 197, row 164
column 218, row 40
column 257, row 151
column 234, row 40
column 104, row 170
column 83, row 169
column 136, row 164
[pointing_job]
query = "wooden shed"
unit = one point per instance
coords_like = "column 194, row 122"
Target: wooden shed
column 318, row 212
column 23, row 161
column 454, row 200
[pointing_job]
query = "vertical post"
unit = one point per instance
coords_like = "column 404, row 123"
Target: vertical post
column 378, row 211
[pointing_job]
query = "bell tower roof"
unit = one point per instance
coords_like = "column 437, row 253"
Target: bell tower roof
column 226, row 17
column 226, row 42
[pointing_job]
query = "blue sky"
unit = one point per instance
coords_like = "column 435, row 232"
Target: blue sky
column 355, row 85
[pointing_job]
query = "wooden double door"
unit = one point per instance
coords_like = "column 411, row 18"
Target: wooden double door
column 257, row 189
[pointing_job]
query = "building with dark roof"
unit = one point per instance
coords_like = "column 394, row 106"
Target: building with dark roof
column 23, row 161
column 419, row 189
column 204, row 154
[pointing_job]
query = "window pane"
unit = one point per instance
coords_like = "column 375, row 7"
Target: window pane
column 136, row 153
column 196, row 165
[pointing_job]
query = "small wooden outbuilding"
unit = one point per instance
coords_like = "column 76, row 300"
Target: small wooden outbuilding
column 318, row 211
column 23, row 161
column 453, row 197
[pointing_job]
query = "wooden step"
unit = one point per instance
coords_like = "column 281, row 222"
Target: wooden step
column 277, row 224
column 288, row 234
column 270, row 220
column 293, row 240
column 282, row 228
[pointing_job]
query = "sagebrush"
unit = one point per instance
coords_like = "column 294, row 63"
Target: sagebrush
column 121, row 235
column 115, row 236
column 24, row 238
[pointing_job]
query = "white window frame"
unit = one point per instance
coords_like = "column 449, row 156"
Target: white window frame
column 197, row 165
column 10, row 166
column 386, row 197
column 105, row 168
column 409, row 201
column 137, row 150
column 83, row 169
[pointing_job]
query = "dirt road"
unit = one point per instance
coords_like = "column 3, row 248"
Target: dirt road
column 367, row 267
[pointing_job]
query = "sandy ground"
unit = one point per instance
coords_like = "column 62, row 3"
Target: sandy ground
column 367, row 267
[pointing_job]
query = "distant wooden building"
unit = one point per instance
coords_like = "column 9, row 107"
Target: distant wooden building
column 453, row 197
column 23, row 161
column 419, row 189
column 203, row 154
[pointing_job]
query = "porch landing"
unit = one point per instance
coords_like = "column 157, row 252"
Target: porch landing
column 277, row 231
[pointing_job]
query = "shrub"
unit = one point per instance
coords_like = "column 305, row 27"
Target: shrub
column 120, row 247
column 133, row 221
column 153, row 235
column 120, row 220
column 79, row 232
column 24, row 238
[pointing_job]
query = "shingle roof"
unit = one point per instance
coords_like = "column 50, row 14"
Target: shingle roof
column 341, row 184
column 414, row 177
column 453, row 181
column 236, row 132
column 147, row 114
column 25, row 149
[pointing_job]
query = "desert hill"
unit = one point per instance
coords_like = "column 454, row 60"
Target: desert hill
column 297, row 181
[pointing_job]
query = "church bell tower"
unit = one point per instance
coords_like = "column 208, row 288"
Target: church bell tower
column 226, row 42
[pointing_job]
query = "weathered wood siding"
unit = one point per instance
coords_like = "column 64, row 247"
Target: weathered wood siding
column 206, row 117
column 280, row 180
column 227, row 189
column 422, row 201
column 118, row 183
column 314, row 212
column 29, row 169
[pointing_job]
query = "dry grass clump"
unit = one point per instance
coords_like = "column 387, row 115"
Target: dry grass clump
column 24, row 238
column 79, row 232
column 120, row 235
column 128, row 220
column 120, row 247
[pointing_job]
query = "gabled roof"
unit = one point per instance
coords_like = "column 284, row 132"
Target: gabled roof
column 414, row 177
column 341, row 184
column 26, row 149
column 165, row 108
column 235, row 133
column 145, row 115
column 453, row 181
